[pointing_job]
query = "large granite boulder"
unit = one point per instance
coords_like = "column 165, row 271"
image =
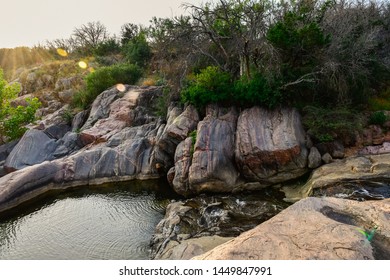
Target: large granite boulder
column 315, row 228
column 179, row 125
column 212, row 167
column 183, row 158
column 34, row 147
column 114, row 110
column 270, row 145
column 208, row 164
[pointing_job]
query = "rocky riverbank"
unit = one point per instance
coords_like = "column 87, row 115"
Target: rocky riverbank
column 212, row 160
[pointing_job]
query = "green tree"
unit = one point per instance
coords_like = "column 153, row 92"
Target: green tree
column 137, row 50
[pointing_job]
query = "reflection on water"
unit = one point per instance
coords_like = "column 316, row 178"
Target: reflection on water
column 109, row 222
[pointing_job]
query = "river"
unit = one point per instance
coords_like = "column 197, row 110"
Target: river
column 107, row 222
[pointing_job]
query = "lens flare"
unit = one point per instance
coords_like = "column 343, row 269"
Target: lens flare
column 83, row 65
column 62, row 52
column 121, row 87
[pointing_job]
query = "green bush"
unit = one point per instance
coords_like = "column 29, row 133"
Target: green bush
column 108, row 47
column 13, row 126
column 14, row 119
column 378, row 118
column 326, row 125
column 137, row 51
column 211, row 85
column 104, row 78
column 256, row 91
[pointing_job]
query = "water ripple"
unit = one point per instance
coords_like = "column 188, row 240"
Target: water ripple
column 114, row 225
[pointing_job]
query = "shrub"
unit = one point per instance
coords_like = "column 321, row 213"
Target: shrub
column 256, row 91
column 162, row 103
column 380, row 102
column 104, row 78
column 378, row 118
column 13, row 119
column 326, row 125
column 137, row 51
column 211, row 85
column 108, row 47
column 13, row 126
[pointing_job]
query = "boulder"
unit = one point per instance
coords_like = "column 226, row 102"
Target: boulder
column 335, row 149
column 111, row 112
column 327, row 158
column 6, row 149
column 66, row 96
column 79, row 120
column 179, row 125
column 34, row 147
column 189, row 248
column 314, row 159
column 375, row 150
column 270, row 145
column 125, row 157
column 212, row 167
column 313, row 229
column 183, row 158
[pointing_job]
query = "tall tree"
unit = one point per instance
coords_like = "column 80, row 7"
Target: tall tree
column 90, row 35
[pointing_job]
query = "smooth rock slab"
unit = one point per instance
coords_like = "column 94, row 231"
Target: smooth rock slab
column 360, row 169
column 314, row 228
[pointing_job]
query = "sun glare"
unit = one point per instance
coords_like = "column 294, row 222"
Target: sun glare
column 83, row 65
column 121, row 87
column 62, row 52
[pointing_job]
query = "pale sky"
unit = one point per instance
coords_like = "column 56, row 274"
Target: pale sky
column 29, row 22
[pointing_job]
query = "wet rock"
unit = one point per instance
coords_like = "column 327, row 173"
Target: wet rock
column 270, row 145
column 315, row 228
column 314, row 159
column 224, row 216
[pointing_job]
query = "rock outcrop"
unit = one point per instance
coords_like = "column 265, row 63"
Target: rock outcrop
column 315, row 228
column 341, row 178
column 53, row 158
column 270, row 145
column 179, row 125
column 232, row 153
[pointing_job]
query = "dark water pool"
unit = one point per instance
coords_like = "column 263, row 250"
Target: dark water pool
column 106, row 222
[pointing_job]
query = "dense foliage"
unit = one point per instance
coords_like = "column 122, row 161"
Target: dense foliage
column 104, row 78
column 329, row 58
column 14, row 118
